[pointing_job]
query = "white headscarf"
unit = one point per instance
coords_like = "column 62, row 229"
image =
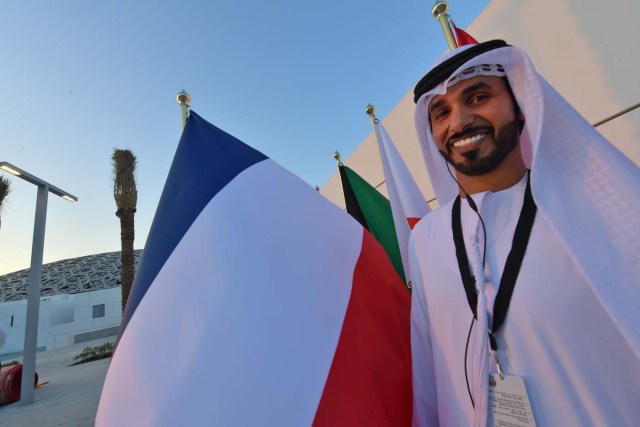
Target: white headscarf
column 588, row 191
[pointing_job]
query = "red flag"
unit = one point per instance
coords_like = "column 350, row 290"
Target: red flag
column 462, row 36
column 412, row 222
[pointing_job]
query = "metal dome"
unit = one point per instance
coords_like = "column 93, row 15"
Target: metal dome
column 69, row 276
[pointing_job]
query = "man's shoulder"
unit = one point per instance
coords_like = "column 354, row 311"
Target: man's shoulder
column 434, row 223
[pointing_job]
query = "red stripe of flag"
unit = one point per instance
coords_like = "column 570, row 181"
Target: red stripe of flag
column 412, row 222
column 369, row 383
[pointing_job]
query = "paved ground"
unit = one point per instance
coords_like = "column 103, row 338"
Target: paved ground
column 72, row 395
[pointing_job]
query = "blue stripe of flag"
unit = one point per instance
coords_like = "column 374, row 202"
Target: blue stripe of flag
column 206, row 160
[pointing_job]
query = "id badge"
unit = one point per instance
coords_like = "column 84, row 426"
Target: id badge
column 509, row 402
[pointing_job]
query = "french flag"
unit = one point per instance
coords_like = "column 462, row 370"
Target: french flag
column 257, row 303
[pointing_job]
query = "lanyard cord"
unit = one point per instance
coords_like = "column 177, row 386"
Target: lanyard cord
column 512, row 265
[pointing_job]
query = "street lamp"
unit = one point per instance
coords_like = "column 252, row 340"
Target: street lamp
column 35, row 276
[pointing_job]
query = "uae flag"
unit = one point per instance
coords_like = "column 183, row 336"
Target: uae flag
column 373, row 211
column 257, row 302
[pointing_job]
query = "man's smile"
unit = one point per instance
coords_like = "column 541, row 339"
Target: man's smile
column 469, row 141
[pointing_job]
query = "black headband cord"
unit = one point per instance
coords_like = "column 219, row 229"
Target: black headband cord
column 444, row 70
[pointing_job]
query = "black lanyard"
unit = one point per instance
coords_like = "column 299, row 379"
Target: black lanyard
column 511, row 268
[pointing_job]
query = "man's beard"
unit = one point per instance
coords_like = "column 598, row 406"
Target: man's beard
column 505, row 140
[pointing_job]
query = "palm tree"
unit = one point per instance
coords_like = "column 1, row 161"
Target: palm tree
column 5, row 189
column 126, row 195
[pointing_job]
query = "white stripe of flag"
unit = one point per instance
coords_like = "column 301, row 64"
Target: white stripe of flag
column 408, row 205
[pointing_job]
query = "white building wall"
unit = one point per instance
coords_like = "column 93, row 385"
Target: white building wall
column 61, row 309
column 14, row 317
column 62, row 318
column 64, row 334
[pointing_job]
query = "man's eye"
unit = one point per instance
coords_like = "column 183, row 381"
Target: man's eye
column 478, row 98
column 438, row 114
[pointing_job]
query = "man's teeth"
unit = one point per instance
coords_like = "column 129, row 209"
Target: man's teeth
column 467, row 141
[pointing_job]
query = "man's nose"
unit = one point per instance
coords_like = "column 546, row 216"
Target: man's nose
column 460, row 119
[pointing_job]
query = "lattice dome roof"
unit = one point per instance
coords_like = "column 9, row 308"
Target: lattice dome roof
column 69, row 276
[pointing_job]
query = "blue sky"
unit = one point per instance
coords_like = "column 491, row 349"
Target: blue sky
column 290, row 78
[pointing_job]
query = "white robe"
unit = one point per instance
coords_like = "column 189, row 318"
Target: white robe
column 578, row 368
column 586, row 189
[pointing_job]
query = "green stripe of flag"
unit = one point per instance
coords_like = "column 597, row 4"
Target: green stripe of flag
column 375, row 209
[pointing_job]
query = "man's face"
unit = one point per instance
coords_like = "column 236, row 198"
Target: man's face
column 474, row 124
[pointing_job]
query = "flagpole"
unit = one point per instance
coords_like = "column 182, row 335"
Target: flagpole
column 371, row 112
column 184, row 99
column 440, row 12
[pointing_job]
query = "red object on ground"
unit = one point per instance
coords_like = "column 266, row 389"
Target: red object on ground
column 10, row 383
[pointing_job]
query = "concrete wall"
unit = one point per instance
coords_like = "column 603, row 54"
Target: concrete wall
column 14, row 317
column 83, row 320
column 588, row 50
column 63, row 319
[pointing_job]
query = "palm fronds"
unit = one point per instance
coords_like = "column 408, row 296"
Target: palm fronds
column 124, row 182
column 5, row 189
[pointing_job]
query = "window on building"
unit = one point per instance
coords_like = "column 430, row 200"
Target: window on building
column 98, row 311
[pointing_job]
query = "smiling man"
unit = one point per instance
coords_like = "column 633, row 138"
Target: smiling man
column 476, row 126
column 525, row 280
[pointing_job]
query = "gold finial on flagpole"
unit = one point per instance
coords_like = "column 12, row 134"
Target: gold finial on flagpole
column 184, row 99
column 371, row 112
column 336, row 157
column 440, row 12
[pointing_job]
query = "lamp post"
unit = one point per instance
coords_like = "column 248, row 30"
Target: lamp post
column 35, row 276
